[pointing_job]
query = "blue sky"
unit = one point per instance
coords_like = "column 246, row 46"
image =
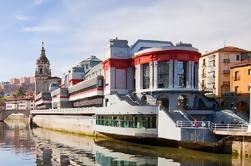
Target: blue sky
column 75, row 29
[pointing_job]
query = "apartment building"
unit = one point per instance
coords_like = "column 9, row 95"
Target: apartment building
column 214, row 69
column 240, row 79
column 20, row 104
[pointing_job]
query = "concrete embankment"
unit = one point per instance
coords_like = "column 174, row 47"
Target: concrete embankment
column 85, row 125
column 78, row 124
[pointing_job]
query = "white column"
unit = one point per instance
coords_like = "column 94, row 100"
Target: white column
column 171, row 74
column 188, row 74
column 138, row 76
column 155, row 75
column 192, row 72
column 151, row 72
column 176, row 81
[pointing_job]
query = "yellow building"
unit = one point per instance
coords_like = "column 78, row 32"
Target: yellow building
column 214, row 69
column 240, row 78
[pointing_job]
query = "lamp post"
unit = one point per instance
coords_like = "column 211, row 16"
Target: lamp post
column 181, row 102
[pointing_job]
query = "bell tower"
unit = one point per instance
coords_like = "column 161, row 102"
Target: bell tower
column 42, row 73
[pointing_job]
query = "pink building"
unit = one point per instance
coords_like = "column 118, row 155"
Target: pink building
column 14, row 81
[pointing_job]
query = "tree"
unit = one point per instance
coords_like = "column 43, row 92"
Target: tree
column 20, row 92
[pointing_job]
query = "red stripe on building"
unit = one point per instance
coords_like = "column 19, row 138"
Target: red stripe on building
column 75, row 81
column 117, row 63
column 166, row 55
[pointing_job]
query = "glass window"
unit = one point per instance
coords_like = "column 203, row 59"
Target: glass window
column 236, row 76
column 237, row 57
column 195, row 74
column 204, row 62
column 163, row 74
column 236, row 89
column 181, row 74
column 146, row 76
column 249, row 71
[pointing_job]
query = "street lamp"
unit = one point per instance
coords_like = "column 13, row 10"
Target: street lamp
column 181, row 102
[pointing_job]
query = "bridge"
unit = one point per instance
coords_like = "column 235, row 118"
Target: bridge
column 5, row 113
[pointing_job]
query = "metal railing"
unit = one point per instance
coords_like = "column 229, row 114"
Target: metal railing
column 211, row 126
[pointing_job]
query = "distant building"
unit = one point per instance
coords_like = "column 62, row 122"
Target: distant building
column 214, row 69
column 20, row 104
column 24, row 80
column 15, row 81
column 32, row 80
column 76, row 73
column 88, row 63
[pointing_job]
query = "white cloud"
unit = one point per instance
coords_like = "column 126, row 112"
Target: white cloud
column 42, row 29
column 22, row 18
column 37, row 2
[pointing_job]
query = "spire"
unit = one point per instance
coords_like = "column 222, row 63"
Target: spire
column 42, row 50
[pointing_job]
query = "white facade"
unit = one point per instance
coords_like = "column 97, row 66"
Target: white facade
column 20, row 105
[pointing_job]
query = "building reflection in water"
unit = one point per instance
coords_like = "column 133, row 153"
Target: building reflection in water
column 45, row 147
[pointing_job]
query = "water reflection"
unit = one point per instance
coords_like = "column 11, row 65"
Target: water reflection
column 20, row 146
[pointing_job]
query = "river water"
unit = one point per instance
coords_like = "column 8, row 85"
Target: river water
column 22, row 146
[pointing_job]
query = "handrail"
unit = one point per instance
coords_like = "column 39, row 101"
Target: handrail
column 211, row 126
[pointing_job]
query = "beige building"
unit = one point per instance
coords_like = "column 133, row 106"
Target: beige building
column 214, row 69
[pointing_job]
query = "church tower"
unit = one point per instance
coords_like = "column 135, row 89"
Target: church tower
column 42, row 73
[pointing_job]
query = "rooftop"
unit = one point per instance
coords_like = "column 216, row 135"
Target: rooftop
column 246, row 62
column 226, row 49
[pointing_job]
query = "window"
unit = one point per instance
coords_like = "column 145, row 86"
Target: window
column 226, row 60
column 181, row 74
column 203, row 73
column 204, row 62
column 249, row 71
column 236, row 89
column 40, row 71
column 237, row 57
column 146, row 76
column 203, row 84
column 163, row 74
column 236, row 76
column 249, row 87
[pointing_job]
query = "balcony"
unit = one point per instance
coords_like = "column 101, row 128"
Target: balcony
column 226, row 84
column 211, row 58
column 210, row 80
column 226, row 72
column 211, row 69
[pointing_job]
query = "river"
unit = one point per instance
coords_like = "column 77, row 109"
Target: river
column 22, row 146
